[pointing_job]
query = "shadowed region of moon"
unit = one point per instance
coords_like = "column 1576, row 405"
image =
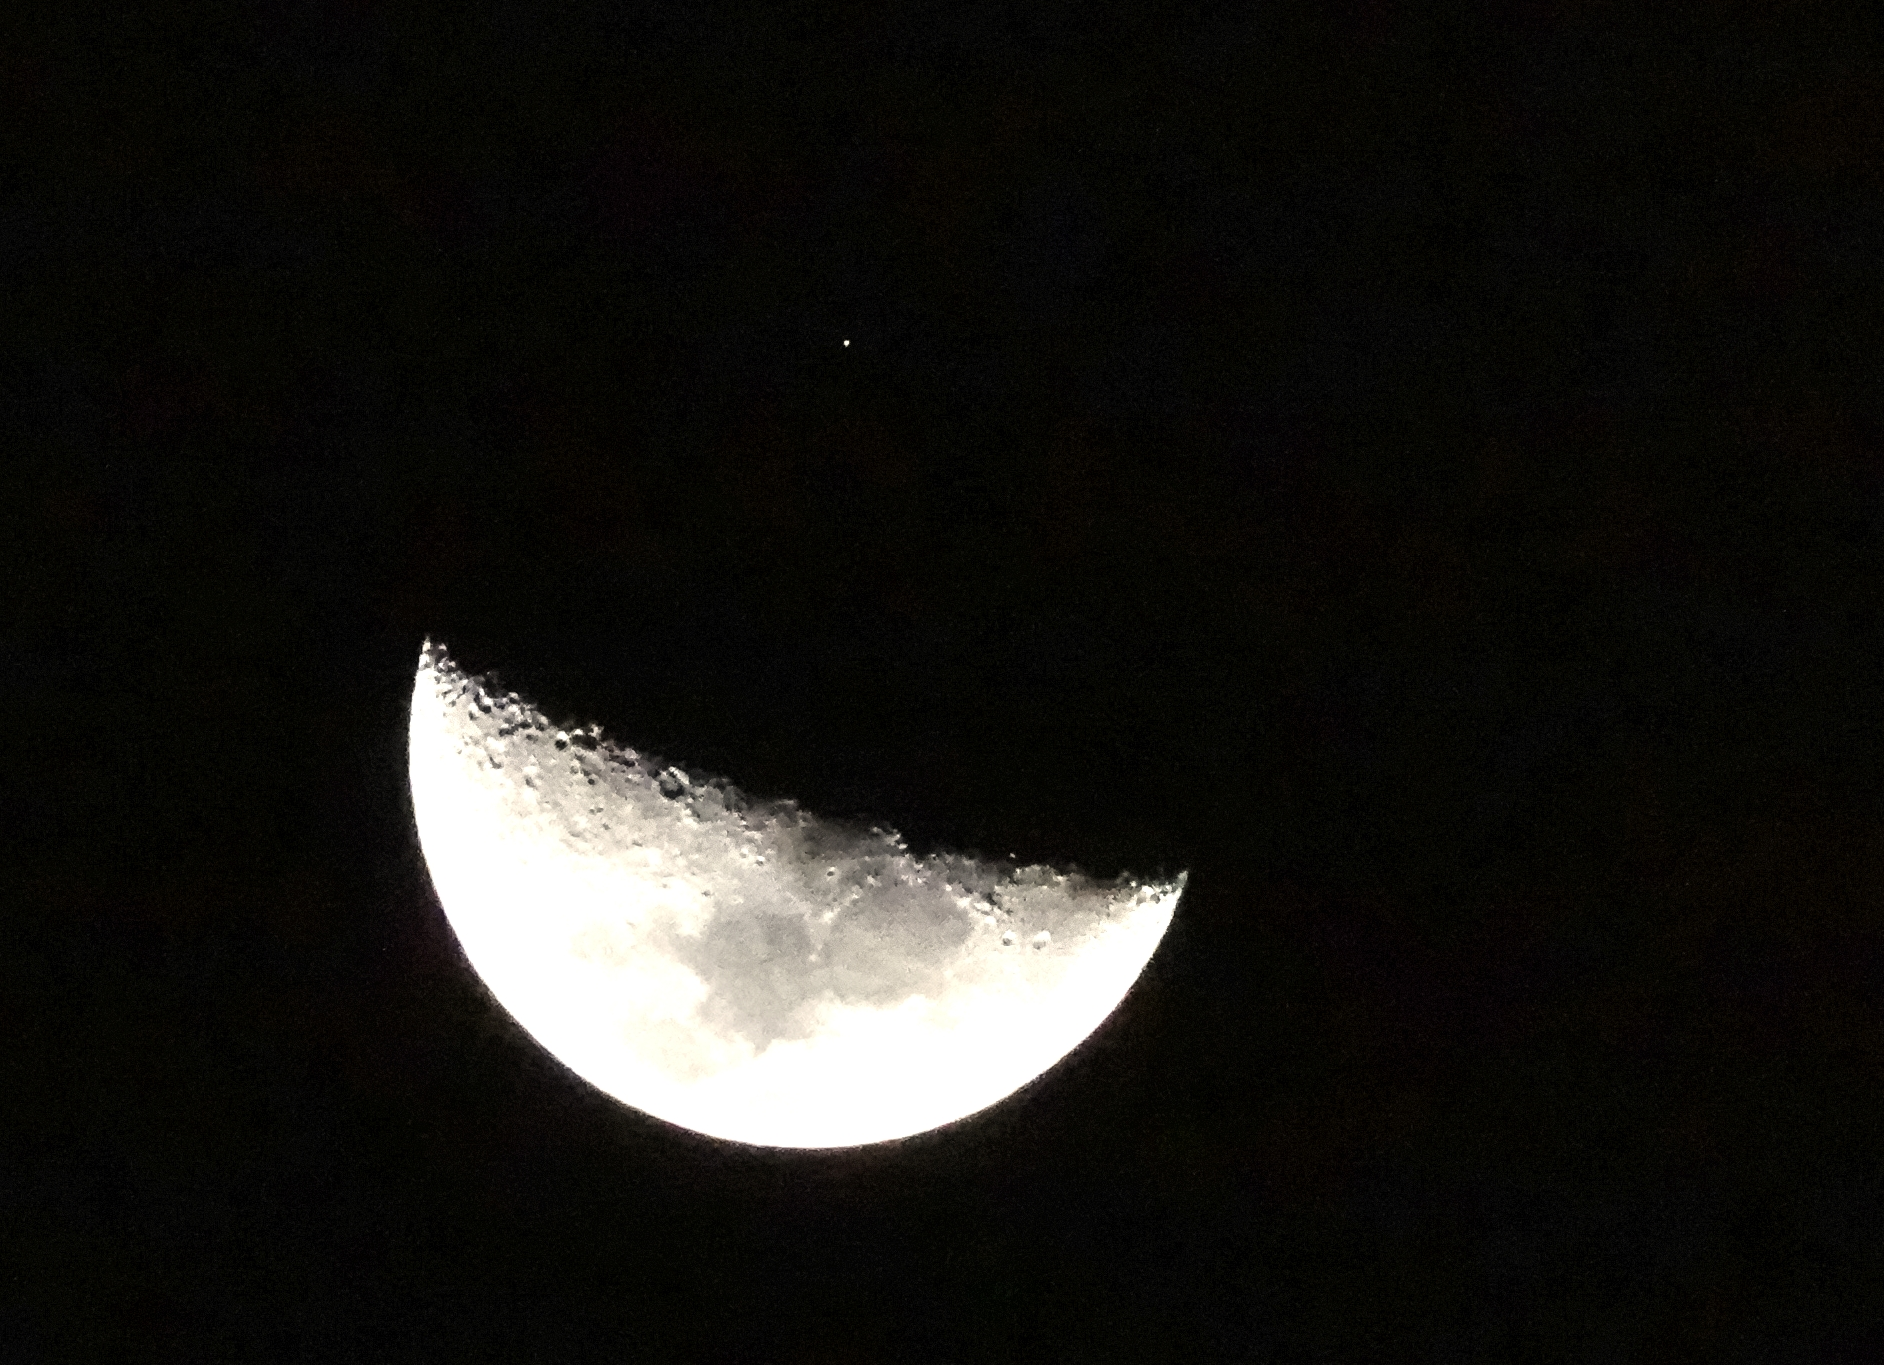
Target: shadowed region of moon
column 746, row 969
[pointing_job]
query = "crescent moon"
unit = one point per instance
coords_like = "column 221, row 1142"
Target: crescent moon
column 742, row 968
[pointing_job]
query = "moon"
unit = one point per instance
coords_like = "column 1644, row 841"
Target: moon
column 742, row 968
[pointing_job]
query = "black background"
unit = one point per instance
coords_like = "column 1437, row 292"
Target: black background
column 1405, row 465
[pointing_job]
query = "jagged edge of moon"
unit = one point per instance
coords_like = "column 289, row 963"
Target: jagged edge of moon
column 708, row 795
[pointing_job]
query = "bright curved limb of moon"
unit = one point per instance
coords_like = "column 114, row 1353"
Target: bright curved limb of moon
column 745, row 969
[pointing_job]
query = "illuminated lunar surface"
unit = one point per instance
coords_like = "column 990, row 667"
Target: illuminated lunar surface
column 746, row 969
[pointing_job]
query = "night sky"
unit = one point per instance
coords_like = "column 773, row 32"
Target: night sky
column 1412, row 467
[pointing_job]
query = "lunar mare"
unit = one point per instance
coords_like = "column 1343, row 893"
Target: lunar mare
column 744, row 968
